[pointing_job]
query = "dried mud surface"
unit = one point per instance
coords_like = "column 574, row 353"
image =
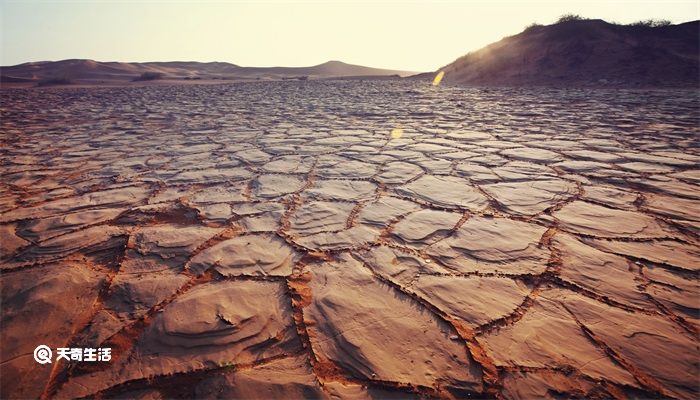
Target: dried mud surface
column 275, row 239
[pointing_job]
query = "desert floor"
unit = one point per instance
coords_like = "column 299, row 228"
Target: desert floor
column 350, row 240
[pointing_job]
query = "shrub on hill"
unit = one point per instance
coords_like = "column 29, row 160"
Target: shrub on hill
column 570, row 17
column 652, row 23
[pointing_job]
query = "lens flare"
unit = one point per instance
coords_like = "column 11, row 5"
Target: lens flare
column 438, row 78
column 396, row 133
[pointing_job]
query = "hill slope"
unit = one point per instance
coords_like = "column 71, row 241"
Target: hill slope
column 586, row 52
column 87, row 71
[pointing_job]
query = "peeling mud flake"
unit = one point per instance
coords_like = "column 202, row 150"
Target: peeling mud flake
column 398, row 172
column 474, row 300
column 346, row 169
column 551, row 384
column 159, row 247
column 211, row 175
column 134, row 294
column 399, row 266
column 211, row 326
column 386, row 336
column 610, row 196
column 444, row 191
column 530, row 198
column 168, row 241
column 674, row 207
column 271, row 186
column 93, row 239
column 533, row 154
column 216, row 213
column 220, row 194
column 10, row 241
column 351, row 238
column 285, row 378
column 258, row 255
column 499, row 245
column 425, row 227
column 476, row 173
column 385, row 210
column 651, row 347
column 289, row 164
column 601, row 273
column 111, row 198
column 231, row 316
column 594, row 220
column 321, row 216
column 356, row 391
column 343, row 190
column 38, row 230
column 670, row 252
column 259, row 217
column 548, row 337
column 45, row 306
column 524, row 171
column 676, row 292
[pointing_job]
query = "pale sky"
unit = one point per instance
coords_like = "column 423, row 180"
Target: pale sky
column 408, row 35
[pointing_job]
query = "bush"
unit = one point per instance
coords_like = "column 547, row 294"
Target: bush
column 652, row 23
column 569, row 17
column 532, row 26
column 55, row 81
column 149, row 76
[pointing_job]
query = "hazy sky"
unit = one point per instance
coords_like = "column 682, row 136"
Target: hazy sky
column 409, row 35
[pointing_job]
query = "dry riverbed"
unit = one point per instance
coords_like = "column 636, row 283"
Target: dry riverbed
column 277, row 239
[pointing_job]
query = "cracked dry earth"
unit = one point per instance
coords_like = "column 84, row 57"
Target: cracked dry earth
column 273, row 240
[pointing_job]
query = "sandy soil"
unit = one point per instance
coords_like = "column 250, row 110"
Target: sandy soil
column 277, row 239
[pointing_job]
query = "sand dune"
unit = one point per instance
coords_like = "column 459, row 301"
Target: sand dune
column 89, row 71
column 586, row 52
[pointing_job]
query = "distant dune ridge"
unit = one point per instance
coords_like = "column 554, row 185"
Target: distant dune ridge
column 89, row 71
column 586, row 52
column 571, row 52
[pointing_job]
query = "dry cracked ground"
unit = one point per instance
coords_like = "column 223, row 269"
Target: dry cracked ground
column 273, row 240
